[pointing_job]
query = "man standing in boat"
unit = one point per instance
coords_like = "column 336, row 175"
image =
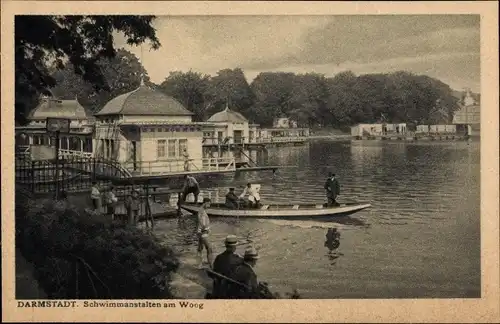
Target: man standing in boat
column 202, row 232
column 332, row 188
column 190, row 186
column 225, row 264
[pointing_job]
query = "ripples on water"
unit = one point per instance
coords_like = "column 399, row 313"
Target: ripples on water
column 420, row 238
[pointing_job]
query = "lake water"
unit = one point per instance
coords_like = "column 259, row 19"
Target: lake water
column 420, row 238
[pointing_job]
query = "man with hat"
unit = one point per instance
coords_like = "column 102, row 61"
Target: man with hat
column 231, row 199
column 202, row 231
column 224, row 264
column 245, row 275
column 332, row 188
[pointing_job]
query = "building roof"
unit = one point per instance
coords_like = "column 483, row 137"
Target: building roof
column 227, row 115
column 56, row 108
column 144, row 101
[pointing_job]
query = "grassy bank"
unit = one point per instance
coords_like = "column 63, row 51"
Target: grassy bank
column 79, row 254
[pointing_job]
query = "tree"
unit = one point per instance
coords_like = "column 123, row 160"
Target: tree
column 342, row 100
column 273, row 92
column 189, row 88
column 230, row 87
column 42, row 42
column 309, row 96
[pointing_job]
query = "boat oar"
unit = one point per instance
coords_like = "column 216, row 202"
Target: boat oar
column 216, row 274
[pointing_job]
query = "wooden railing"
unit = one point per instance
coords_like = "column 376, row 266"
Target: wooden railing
column 160, row 167
column 268, row 139
column 64, row 152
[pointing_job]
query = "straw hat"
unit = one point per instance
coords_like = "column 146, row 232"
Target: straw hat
column 251, row 254
column 231, row 240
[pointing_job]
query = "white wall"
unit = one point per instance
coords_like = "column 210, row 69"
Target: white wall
column 166, row 119
column 147, row 153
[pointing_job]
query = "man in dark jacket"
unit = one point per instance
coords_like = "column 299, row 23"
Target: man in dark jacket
column 225, row 264
column 190, row 186
column 246, row 276
column 332, row 188
column 231, row 199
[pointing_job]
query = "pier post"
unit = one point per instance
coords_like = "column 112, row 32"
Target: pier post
column 179, row 210
column 33, row 176
column 149, row 214
column 56, row 194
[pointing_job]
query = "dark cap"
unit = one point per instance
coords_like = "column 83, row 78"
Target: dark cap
column 205, row 200
column 231, row 189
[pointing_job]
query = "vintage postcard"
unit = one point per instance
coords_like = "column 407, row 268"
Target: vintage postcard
column 250, row 161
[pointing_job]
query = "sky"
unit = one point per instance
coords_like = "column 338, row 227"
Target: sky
column 446, row 47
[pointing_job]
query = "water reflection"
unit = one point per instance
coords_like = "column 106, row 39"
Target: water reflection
column 332, row 243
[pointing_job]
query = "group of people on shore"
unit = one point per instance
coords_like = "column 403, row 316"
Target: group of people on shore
column 108, row 199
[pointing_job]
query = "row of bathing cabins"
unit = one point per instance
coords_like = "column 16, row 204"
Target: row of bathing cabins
column 147, row 132
column 466, row 121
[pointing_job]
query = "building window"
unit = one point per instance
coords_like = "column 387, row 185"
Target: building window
column 171, row 148
column 182, row 146
column 172, row 152
column 161, row 151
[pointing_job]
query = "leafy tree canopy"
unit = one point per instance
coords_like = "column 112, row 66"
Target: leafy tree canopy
column 42, row 42
column 190, row 89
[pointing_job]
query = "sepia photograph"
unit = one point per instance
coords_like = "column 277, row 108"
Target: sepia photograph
column 241, row 157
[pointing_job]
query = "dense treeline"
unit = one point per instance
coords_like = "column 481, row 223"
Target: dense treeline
column 84, row 64
column 311, row 99
column 315, row 100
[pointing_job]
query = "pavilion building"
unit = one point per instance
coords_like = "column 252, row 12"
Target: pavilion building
column 79, row 139
column 147, row 132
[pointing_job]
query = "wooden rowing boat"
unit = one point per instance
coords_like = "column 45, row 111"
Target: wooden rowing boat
column 279, row 211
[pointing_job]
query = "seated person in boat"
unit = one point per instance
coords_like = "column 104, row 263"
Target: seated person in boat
column 332, row 188
column 225, row 264
column 232, row 201
column 190, row 186
column 253, row 195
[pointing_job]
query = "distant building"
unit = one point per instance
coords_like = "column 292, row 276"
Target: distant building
column 229, row 127
column 148, row 131
column 81, row 125
column 284, row 122
column 379, row 129
column 469, row 114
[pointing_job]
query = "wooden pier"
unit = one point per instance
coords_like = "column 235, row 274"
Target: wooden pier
column 412, row 138
column 260, row 143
